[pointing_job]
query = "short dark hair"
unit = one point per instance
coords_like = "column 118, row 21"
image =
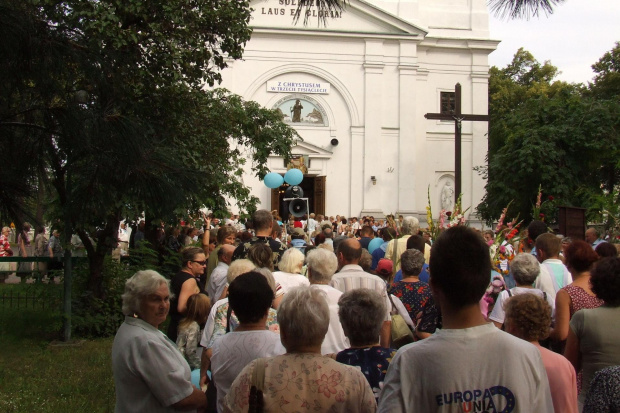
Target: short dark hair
column 350, row 249
column 250, row 296
column 460, row 266
column 262, row 220
column 416, row 242
column 606, row 249
column 276, row 228
column 605, row 280
column 549, row 243
column 535, row 229
column 367, row 230
column 261, row 255
column 328, row 232
column 580, row 256
column 388, row 233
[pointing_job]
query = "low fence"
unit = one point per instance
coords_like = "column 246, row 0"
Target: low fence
column 39, row 300
column 38, row 268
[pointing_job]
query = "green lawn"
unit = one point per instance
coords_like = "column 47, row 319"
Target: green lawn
column 38, row 377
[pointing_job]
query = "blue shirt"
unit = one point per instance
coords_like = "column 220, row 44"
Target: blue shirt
column 424, row 275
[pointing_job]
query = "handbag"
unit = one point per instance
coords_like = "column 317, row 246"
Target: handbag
column 256, row 402
column 400, row 331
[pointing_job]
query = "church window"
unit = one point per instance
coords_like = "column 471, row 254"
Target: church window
column 448, row 102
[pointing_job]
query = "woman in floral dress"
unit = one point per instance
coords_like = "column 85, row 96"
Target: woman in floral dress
column 413, row 293
column 302, row 379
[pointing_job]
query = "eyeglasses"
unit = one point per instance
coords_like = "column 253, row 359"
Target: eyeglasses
column 200, row 262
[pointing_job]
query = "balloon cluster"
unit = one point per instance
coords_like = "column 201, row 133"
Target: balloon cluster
column 274, row 180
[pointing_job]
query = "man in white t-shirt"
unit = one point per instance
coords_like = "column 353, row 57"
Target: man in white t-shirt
column 250, row 297
column 553, row 273
column 469, row 365
column 322, row 264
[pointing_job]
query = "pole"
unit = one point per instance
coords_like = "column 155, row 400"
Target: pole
column 66, row 323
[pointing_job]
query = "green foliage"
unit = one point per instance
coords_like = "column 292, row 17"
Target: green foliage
column 606, row 83
column 556, row 135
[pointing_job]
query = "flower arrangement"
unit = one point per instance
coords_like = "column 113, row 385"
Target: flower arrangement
column 447, row 219
column 539, row 209
column 502, row 251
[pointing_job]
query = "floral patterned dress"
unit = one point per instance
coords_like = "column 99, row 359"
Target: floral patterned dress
column 372, row 361
column 414, row 295
column 304, row 382
column 219, row 327
column 187, row 342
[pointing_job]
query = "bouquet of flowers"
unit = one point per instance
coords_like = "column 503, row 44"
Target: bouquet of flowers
column 447, row 219
column 539, row 209
column 502, row 251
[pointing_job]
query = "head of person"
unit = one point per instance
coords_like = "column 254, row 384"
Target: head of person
column 262, row 221
column 488, row 235
column 547, row 246
column 528, row 317
column 147, row 295
column 605, row 281
column 40, row 229
column 524, row 268
column 580, row 256
column 276, row 230
column 193, row 260
column 303, row 316
column 606, row 249
column 6, row 231
column 237, row 268
column 26, row 226
column 388, row 233
column 250, row 297
column 322, row 265
column 361, row 312
column 225, row 253
column 292, row 260
column 366, row 260
column 319, row 238
column 328, row 232
column 367, row 231
column 410, row 225
column 411, row 262
column 56, row 233
column 460, row 267
column 226, row 235
column 416, row 242
column 384, row 269
column 349, row 252
column 198, row 307
column 261, row 255
column 535, row 229
column 591, row 235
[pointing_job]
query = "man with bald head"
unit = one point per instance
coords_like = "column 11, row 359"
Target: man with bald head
column 351, row 276
column 592, row 237
column 217, row 280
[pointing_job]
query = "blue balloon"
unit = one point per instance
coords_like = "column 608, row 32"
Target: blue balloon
column 273, row 180
column 374, row 244
column 294, row 176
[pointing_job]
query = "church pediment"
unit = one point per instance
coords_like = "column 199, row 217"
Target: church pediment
column 357, row 17
column 313, row 151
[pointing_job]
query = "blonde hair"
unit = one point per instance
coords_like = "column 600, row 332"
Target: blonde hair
column 198, row 307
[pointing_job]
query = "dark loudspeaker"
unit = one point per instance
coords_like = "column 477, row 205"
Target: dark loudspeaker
column 334, row 142
column 297, row 207
column 294, row 192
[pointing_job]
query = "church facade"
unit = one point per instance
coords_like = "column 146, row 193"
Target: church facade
column 357, row 88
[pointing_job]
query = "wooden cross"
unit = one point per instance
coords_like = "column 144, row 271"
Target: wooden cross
column 457, row 117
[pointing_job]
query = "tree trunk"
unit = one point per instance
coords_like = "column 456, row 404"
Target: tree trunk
column 107, row 240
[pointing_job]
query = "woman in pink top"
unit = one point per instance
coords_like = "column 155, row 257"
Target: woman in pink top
column 529, row 317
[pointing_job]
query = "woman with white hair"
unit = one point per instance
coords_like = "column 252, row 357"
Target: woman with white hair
column 302, row 378
column 290, row 266
column 322, row 264
column 524, row 268
column 150, row 374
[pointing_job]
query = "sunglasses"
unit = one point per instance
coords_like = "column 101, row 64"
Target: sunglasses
column 200, row 262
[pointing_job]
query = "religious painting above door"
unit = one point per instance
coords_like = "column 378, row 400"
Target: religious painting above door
column 301, row 110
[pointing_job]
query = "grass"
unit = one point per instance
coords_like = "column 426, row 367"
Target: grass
column 37, row 376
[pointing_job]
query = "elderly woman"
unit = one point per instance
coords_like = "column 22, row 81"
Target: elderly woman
column 529, row 317
column 594, row 334
column 290, row 267
column 302, row 378
column 361, row 313
column 580, row 257
column 150, row 374
column 322, row 264
column 524, row 268
column 250, row 297
column 414, row 294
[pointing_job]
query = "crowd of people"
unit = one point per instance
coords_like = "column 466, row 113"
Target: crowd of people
column 303, row 314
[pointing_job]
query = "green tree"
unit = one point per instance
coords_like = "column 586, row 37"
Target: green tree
column 551, row 134
column 104, row 100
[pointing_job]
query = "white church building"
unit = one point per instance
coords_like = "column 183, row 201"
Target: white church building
column 357, row 89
